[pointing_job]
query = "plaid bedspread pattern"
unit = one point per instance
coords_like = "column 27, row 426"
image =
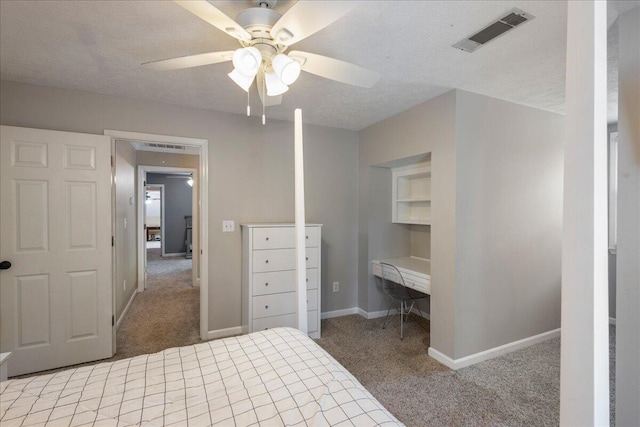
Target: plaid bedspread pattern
column 272, row 378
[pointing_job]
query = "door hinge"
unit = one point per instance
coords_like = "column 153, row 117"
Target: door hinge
column 145, row 226
column 113, row 241
column 145, row 183
column 113, row 161
column 113, row 320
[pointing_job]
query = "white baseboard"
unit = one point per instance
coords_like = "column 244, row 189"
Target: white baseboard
column 174, row 254
column 612, row 320
column 377, row 314
column 126, row 309
column 339, row 313
column 472, row 359
column 223, row 333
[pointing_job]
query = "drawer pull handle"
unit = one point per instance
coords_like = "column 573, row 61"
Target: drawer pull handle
column 307, row 279
column 267, row 261
column 307, row 237
column 307, row 258
column 266, row 238
column 266, row 284
column 266, row 307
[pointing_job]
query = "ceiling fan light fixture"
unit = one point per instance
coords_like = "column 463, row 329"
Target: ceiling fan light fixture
column 241, row 80
column 247, row 61
column 275, row 86
column 286, row 68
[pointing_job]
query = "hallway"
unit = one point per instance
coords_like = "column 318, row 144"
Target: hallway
column 166, row 314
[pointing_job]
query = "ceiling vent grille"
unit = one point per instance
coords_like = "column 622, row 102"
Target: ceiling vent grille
column 507, row 22
column 168, row 146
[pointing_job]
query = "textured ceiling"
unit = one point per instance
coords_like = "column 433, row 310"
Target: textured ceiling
column 98, row 46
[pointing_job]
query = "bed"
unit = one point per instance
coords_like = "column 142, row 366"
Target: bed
column 269, row 378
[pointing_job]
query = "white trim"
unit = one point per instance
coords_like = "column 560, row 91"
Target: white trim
column 612, row 320
column 202, row 221
column 472, row 359
column 222, row 333
column 126, row 308
column 381, row 313
column 339, row 313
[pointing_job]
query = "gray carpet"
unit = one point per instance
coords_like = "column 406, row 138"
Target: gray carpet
column 518, row 389
column 166, row 314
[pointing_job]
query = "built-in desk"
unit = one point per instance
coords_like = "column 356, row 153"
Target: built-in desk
column 415, row 271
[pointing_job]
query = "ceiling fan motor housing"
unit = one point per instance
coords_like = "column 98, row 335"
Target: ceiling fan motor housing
column 258, row 21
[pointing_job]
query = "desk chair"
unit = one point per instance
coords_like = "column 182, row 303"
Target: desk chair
column 394, row 287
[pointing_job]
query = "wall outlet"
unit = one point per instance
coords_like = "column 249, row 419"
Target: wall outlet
column 336, row 286
column 124, row 285
column 228, row 226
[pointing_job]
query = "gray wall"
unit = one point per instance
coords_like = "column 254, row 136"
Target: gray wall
column 496, row 217
column 250, row 177
column 612, row 256
column 429, row 127
column 126, row 257
column 628, row 254
column 509, row 193
column 178, row 198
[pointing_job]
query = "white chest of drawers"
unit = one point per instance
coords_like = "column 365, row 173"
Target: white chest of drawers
column 268, row 276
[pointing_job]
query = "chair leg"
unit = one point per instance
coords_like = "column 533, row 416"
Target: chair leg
column 386, row 319
column 401, row 319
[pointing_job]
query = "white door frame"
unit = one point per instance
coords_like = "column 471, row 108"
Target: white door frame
column 203, row 200
column 144, row 219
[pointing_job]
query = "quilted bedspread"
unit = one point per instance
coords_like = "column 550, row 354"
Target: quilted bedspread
column 271, row 378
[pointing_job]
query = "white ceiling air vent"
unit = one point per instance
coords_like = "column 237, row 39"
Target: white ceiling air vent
column 166, row 146
column 498, row 27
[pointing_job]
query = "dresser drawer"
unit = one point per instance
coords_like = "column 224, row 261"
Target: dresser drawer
column 312, row 321
column 274, row 305
column 287, row 320
column 281, row 259
column 274, row 260
column 283, row 237
column 312, row 299
column 274, row 282
column 312, row 278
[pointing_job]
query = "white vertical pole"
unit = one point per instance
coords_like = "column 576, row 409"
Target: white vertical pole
column 584, row 375
column 301, row 263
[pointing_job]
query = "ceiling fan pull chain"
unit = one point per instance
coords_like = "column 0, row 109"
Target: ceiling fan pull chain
column 248, row 105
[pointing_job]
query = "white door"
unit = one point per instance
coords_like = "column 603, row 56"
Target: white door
column 55, row 230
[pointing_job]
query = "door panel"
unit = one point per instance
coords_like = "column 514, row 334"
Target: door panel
column 55, row 229
column 32, row 211
column 33, row 310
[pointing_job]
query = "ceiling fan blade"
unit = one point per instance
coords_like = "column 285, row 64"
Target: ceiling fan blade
column 214, row 16
column 308, row 17
column 335, row 69
column 267, row 101
column 190, row 61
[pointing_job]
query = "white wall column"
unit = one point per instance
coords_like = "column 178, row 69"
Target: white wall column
column 584, row 378
column 628, row 250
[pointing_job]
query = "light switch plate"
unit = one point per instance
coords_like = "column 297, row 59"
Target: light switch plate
column 228, row 226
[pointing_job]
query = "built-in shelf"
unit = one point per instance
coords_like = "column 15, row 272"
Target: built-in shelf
column 412, row 194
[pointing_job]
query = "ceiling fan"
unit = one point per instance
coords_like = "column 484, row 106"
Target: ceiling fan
column 265, row 35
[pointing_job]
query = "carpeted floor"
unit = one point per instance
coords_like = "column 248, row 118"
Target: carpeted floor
column 518, row 389
column 166, row 314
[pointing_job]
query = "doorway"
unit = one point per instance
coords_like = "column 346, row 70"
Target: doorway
column 194, row 177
